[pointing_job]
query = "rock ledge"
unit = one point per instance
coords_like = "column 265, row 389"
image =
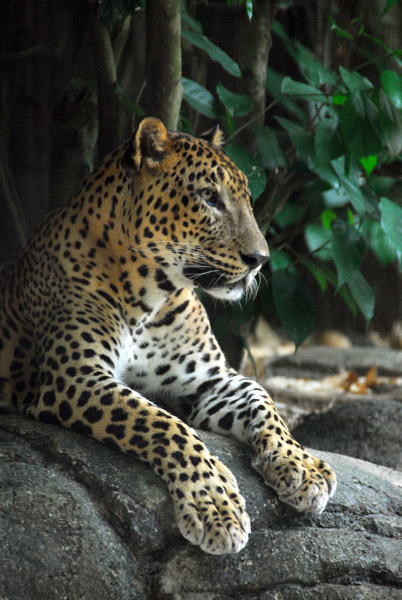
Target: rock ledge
column 79, row 521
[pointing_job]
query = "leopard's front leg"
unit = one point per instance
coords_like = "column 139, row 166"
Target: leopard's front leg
column 211, row 396
column 242, row 408
column 209, row 510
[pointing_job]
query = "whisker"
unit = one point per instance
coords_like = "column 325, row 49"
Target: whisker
column 194, row 255
column 263, row 278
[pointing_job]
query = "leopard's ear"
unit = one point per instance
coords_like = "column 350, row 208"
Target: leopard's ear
column 215, row 136
column 149, row 145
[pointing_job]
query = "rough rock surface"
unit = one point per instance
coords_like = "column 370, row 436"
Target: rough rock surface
column 319, row 360
column 368, row 429
column 79, row 521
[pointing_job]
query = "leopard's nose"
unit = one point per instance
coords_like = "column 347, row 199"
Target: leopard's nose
column 254, row 260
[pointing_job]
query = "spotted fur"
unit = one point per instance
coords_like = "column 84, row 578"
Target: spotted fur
column 99, row 319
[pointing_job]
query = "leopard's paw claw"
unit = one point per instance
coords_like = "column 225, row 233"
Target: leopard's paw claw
column 300, row 479
column 211, row 514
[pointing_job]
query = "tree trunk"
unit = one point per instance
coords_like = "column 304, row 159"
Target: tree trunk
column 256, row 44
column 12, row 211
column 163, row 55
column 106, row 77
column 75, row 120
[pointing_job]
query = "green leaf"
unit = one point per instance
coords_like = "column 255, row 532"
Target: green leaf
column 249, row 8
column 382, row 245
column 348, row 249
column 391, row 221
column 243, row 312
column 237, row 105
column 214, row 53
column 328, row 143
column 369, row 163
column 184, row 125
column 382, row 184
column 316, row 271
column 335, row 198
column 274, row 84
column 350, row 185
column 189, row 20
column 199, row 98
column 344, row 291
column 279, row 260
column 354, row 81
column 391, row 124
column 363, row 294
column 230, row 123
column 389, row 4
column 303, row 91
column 318, row 241
column 394, row 53
column 371, row 200
column 327, row 173
column 280, row 31
column 290, row 214
column 391, row 82
column 327, row 217
column 250, row 166
column 294, row 305
column 360, row 124
column 339, row 99
column 312, row 69
column 301, row 140
column 342, row 33
column 268, row 151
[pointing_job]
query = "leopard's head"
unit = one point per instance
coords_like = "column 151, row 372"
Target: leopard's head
column 191, row 210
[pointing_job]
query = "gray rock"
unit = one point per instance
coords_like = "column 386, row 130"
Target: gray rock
column 82, row 522
column 321, row 360
column 367, row 429
column 291, row 379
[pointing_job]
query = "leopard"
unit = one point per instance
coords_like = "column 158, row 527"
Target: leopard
column 102, row 330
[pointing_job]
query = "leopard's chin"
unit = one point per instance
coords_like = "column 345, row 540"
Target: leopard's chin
column 234, row 291
column 231, row 294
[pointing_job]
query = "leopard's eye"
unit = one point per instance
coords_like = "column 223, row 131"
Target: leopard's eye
column 211, row 197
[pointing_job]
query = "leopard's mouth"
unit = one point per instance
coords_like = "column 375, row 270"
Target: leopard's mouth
column 205, row 276
column 216, row 282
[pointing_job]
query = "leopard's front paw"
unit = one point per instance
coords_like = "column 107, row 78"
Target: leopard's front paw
column 209, row 510
column 300, row 479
